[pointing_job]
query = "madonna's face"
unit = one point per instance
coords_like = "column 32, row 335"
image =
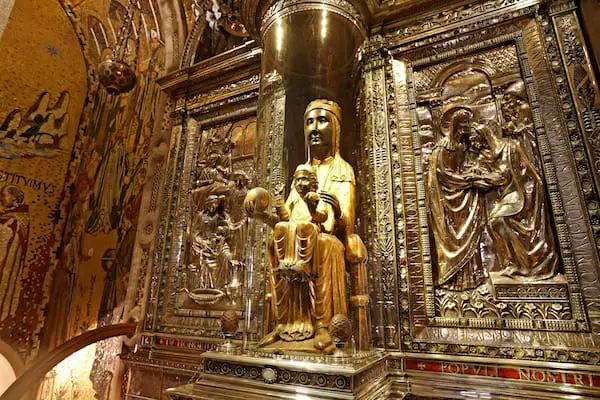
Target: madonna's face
column 318, row 128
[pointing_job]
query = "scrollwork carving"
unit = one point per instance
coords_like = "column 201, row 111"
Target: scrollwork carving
column 376, row 96
column 586, row 97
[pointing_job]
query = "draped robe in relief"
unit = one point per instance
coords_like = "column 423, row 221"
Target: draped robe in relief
column 519, row 222
column 457, row 218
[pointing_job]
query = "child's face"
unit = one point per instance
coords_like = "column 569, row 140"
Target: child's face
column 477, row 141
column 303, row 182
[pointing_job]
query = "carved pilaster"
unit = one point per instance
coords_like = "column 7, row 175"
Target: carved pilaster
column 411, row 221
column 376, row 137
column 586, row 97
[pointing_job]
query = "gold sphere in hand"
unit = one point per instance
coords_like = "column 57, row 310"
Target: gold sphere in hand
column 260, row 197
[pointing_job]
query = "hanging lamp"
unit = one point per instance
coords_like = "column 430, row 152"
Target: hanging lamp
column 115, row 74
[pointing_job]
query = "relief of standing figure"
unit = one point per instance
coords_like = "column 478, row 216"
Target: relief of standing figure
column 457, row 187
column 481, row 178
column 519, row 222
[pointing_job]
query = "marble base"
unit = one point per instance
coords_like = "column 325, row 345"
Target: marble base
column 263, row 376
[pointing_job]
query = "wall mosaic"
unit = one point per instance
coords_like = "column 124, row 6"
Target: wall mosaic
column 37, row 132
column 106, row 193
column 40, row 108
column 64, row 175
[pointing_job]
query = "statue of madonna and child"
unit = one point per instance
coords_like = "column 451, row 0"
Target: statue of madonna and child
column 313, row 245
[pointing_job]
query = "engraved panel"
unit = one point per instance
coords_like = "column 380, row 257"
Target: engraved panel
column 486, row 254
column 214, row 262
column 378, row 97
column 519, row 93
column 200, row 262
column 583, row 85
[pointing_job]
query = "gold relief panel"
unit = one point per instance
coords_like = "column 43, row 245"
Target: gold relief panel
column 210, row 230
column 496, row 260
column 200, row 263
column 214, row 261
column 493, row 257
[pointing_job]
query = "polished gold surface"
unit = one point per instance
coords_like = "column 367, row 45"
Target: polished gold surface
column 467, row 163
column 313, row 237
column 488, row 206
column 487, row 107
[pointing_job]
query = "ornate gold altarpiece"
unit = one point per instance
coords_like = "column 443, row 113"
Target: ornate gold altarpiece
column 477, row 330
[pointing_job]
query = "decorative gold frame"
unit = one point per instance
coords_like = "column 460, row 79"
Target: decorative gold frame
column 402, row 256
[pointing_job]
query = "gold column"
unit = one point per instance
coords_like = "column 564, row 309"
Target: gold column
column 309, row 52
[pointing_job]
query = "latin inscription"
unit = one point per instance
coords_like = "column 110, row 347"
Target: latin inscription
column 47, row 188
column 537, row 375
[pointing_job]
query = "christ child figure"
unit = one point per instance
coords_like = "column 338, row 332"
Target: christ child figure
column 303, row 217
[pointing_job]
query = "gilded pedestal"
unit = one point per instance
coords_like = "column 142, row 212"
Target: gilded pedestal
column 258, row 376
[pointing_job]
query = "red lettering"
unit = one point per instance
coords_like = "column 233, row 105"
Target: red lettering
column 524, row 374
column 538, row 375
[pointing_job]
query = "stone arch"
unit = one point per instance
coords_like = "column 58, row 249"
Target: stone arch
column 11, row 366
column 192, row 41
column 174, row 31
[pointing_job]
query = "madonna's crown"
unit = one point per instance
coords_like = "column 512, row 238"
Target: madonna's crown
column 324, row 104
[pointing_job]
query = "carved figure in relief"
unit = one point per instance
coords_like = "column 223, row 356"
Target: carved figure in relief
column 212, row 263
column 14, row 233
column 519, row 222
column 314, row 234
column 214, row 166
column 457, row 185
column 203, row 237
column 218, row 230
column 235, row 201
column 483, row 178
column 517, row 120
column 215, row 258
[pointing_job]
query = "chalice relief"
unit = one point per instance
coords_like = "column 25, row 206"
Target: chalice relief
column 313, row 241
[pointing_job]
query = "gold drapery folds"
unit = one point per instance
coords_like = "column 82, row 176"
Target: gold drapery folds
column 483, row 180
column 314, row 243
